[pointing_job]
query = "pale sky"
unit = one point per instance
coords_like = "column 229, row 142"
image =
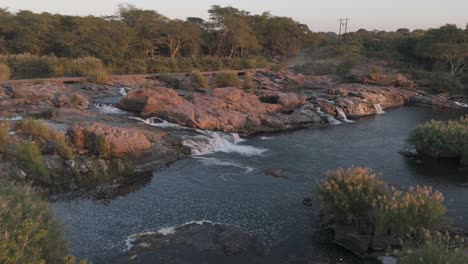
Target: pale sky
column 319, row 15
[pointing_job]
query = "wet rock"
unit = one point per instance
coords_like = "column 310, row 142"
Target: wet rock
column 348, row 237
column 195, row 240
column 307, row 202
column 276, row 172
column 384, row 243
column 408, row 154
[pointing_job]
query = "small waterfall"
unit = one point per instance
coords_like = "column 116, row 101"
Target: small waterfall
column 123, row 91
column 203, row 142
column 109, row 109
column 342, row 115
column 378, row 109
column 330, row 119
column 461, row 104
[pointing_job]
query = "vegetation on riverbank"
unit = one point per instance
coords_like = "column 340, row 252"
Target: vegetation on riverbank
column 29, row 234
column 348, row 195
column 442, row 139
column 356, row 196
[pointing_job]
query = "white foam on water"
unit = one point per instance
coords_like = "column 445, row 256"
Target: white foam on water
column 330, row 118
column 210, row 142
column 266, row 138
column 378, row 109
column 109, row 109
column 123, row 91
column 165, row 231
column 155, row 122
column 207, row 142
column 217, row 162
column 13, row 118
column 461, row 104
column 343, row 116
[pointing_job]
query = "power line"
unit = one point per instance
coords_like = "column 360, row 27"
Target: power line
column 343, row 23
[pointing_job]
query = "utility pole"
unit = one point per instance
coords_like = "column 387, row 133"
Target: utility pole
column 339, row 33
column 343, row 23
column 346, row 28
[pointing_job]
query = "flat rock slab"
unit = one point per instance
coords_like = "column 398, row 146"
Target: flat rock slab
column 195, row 243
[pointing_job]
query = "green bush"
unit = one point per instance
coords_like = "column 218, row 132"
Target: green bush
column 198, row 80
column 444, row 82
column 26, row 66
column 135, row 66
column 98, row 76
column 29, row 234
column 4, row 72
column 29, row 157
column 441, row 139
column 226, row 79
column 4, row 137
column 169, row 79
column 82, row 67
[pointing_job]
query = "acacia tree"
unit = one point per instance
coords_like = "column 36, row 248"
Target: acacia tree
column 456, row 55
column 176, row 34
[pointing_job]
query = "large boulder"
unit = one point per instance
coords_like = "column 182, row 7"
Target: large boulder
column 119, row 142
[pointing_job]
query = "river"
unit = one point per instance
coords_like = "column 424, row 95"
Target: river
column 230, row 187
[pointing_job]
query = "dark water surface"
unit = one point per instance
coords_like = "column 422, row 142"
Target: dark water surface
column 231, row 188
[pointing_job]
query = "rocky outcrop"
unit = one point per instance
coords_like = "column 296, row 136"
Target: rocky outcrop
column 223, row 109
column 380, row 78
column 116, row 141
column 193, row 241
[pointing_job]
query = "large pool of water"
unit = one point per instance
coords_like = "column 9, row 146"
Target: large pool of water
column 231, row 188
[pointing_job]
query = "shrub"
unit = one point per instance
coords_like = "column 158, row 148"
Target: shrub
column 32, row 66
column 403, row 211
column 436, row 248
column 198, row 80
column 4, row 72
column 82, row 67
column 248, row 81
column 441, row 138
column 97, row 76
column 444, row 82
column 29, row 232
column 101, row 145
column 227, row 78
column 35, row 128
column 347, row 194
column 276, row 67
column 351, row 194
column 38, row 129
column 4, row 137
column 169, row 79
column 135, row 66
column 30, row 158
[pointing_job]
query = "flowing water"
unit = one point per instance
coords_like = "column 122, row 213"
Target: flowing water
column 229, row 186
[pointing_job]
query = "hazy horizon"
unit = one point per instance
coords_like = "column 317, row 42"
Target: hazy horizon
column 318, row 15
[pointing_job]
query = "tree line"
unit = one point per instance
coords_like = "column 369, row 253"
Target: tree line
column 134, row 33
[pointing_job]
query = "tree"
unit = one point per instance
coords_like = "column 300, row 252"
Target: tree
column 176, row 34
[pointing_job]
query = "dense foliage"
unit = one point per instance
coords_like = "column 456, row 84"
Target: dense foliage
column 441, row 139
column 28, row 232
column 125, row 41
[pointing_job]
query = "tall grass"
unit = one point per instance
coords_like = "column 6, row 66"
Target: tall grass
column 29, row 157
column 347, row 195
column 4, row 137
column 198, row 80
column 5, row 72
